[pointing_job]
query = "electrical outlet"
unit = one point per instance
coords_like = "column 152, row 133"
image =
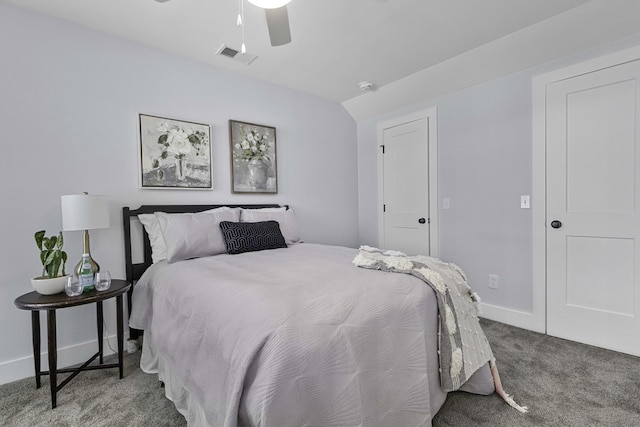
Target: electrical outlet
column 494, row 281
column 525, row 202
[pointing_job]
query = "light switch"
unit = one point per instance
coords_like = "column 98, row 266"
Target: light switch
column 445, row 203
column 524, row 202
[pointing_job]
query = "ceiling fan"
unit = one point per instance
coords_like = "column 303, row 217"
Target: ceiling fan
column 277, row 19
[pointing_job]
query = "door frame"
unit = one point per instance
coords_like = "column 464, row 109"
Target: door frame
column 539, row 171
column 431, row 119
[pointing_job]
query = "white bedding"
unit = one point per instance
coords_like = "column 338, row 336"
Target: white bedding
column 293, row 337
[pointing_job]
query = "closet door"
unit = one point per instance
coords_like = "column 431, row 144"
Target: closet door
column 593, row 215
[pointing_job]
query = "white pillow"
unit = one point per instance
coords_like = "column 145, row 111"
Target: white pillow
column 152, row 227
column 285, row 217
column 194, row 235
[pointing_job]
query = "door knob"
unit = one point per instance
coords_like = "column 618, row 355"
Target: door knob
column 422, row 220
column 556, row 224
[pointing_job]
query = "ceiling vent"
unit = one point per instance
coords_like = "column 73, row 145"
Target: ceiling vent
column 234, row 54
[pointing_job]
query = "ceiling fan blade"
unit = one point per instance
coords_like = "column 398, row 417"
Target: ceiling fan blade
column 278, row 23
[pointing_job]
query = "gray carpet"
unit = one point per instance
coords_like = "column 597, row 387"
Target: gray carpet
column 563, row 383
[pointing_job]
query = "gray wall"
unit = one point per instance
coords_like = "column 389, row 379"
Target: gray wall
column 69, row 100
column 484, row 165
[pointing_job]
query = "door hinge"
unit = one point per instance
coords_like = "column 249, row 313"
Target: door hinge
column 382, row 148
column 428, row 220
column 384, row 208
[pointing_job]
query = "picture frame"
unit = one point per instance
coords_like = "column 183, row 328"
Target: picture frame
column 253, row 158
column 174, row 154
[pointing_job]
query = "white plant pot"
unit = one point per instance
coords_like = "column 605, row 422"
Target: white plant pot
column 46, row 286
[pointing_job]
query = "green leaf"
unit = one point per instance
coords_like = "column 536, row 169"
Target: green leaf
column 49, row 242
column 163, row 139
column 194, row 139
column 51, row 255
column 43, row 257
column 64, row 260
column 60, row 240
column 164, row 154
column 39, row 236
column 54, row 267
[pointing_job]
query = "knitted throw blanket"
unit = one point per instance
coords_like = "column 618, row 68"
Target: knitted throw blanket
column 463, row 347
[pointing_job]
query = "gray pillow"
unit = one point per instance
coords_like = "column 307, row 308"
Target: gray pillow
column 194, row 235
column 285, row 217
column 152, row 227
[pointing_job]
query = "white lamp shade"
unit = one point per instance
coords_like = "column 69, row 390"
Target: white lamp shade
column 84, row 212
column 269, row 4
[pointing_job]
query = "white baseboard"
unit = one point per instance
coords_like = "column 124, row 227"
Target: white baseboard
column 17, row 369
column 519, row 319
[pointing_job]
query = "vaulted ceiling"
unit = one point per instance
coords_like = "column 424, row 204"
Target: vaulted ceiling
column 338, row 43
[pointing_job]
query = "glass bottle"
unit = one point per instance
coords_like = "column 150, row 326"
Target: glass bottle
column 85, row 273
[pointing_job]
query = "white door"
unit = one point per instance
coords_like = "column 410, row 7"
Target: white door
column 406, row 187
column 593, row 208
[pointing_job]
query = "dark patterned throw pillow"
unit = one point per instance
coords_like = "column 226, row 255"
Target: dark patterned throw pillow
column 251, row 236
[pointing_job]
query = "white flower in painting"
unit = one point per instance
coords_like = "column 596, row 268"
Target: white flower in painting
column 253, row 145
column 237, row 146
column 178, row 141
column 163, row 127
column 180, row 148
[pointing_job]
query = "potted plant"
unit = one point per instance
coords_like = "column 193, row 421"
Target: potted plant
column 53, row 259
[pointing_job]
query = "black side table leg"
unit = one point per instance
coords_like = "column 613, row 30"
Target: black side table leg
column 53, row 354
column 35, row 336
column 120, row 335
column 100, row 319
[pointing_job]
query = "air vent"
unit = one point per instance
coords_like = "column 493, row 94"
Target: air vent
column 227, row 51
column 234, row 54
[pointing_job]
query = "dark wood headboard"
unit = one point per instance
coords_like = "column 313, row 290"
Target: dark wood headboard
column 134, row 271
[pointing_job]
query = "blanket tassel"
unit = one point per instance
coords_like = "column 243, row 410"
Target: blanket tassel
column 498, row 385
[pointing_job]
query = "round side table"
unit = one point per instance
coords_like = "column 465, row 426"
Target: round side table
column 36, row 302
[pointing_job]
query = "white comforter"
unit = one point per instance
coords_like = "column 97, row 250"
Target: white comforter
column 296, row 336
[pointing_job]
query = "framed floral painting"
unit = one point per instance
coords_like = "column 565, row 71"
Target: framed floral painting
column 174, row 154
column 253, row 158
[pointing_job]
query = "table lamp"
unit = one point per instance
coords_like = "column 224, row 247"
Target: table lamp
column 85, row 212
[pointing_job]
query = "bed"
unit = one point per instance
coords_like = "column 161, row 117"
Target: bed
column 293, row 335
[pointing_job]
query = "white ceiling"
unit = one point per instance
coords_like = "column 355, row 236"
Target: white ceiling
column 337, row 43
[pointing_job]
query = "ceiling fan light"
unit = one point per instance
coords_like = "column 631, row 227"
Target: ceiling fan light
column 269, row 4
